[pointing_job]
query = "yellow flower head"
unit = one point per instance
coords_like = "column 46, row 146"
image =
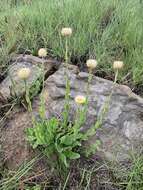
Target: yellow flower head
column 42, row 52
column 80, row 99
column 91, row 63
column 118, row 65
column 66, row 31
column 24, row 73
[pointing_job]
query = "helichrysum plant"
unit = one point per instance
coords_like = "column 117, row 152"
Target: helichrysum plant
column 117, row 65
column 66, row 33
column 91, row 65
column 24, row 74
column 56, row 140
column 80, row 99
column 42, row 52
column 60, row 139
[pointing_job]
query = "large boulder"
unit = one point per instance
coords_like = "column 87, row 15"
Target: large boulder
column 122, row 129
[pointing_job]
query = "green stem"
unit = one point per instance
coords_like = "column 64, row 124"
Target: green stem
column 90, row 76
column 88, row 83
column 66, row 51
column 27, row 97
column 81, row 113
column 42, row 109
column 42, row 99
column 106, row 105
column 43, row 75
column 67, row 93
column 116, row 76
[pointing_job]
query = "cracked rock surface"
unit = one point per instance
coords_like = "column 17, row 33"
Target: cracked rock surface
column 122, row 129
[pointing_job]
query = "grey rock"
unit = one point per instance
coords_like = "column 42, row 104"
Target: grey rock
column 122, row 129
column 12, row 85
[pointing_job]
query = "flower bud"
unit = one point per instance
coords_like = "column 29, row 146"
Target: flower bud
column 91, row 63
column 118, row 65
column 24, row 73
column 66, row 31
column 80, row 99
column 42, row 52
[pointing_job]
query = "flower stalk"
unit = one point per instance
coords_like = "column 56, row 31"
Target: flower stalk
column 66, row 32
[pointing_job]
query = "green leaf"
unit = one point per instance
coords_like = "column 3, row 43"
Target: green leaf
column 58, row 147
column 64, row 159
column 67, row 139
column 76, row 144
column 39, row 133
column 72, row 155
column 48, row 151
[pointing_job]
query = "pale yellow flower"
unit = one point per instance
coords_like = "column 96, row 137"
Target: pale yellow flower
column 66, row 31
column 91, row 63
column 24, row 73
column 118, row 65
column 80, row 99
column 42, row 52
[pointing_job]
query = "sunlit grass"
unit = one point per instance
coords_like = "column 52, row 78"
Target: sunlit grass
column 106, row 30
